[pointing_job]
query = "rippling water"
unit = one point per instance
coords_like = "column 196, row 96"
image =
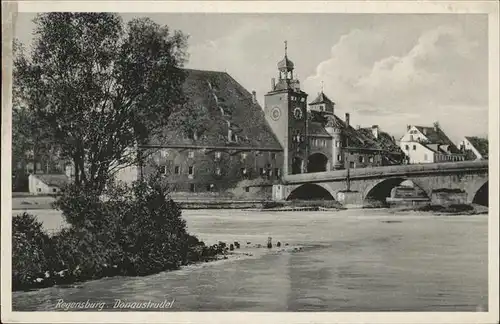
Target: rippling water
column 353, row 260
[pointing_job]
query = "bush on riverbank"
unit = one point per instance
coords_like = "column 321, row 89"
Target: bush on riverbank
column 31, row 250
column 130, row 231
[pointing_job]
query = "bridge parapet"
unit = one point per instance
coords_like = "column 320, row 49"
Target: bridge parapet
column 388, row 171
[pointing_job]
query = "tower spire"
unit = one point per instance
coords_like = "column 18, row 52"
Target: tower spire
column 321, row 86
column 286, row 47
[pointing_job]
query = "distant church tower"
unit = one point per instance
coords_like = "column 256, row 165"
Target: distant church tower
column 285, row 107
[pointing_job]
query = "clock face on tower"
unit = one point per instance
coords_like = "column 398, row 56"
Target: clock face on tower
column 297, row 113
column 275, row 113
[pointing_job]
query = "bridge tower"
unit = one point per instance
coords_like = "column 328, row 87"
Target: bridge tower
column 285, row 107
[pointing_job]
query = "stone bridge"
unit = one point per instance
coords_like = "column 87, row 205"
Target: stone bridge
column 469, row 179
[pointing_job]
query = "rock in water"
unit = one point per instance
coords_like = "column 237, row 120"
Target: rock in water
column 278, row 244
column 231, row 247
column 269, row 242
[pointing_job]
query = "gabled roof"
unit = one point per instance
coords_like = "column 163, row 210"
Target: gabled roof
column 352, row 137
column 384, row 140
column 480, row 144
column 321, row 98
column 54, row 180
column 436, row 136
column 224, row 101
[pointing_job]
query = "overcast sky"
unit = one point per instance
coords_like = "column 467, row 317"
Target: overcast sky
column 385, row 69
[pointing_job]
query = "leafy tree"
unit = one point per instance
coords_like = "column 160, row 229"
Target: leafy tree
column 192, row 120
column 100, row 87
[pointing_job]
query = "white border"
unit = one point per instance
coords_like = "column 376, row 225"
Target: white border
column 485, row 7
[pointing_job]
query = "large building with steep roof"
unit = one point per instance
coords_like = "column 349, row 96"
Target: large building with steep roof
column 224, row 143
column 423, row 144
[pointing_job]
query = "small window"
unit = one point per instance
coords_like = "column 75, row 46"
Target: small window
column 352, row 164
column 247, row 189
column 54, row 190
column 210, row 187
column 192, row 187
column 302, row 99
column 191, row 170
column 407, row 147
column 217, row 171
column 217, row 155
column 339, row 157
column 361, row 159
column 177, row 169
column 277, row 172
column 273, row 156
column 337, row 143
column 414, row 147
column 39, row 190
column 162, row 169
column 262, row 171
column 243, row 156
column 191, row 154
column 370, row 159
column 411, row 137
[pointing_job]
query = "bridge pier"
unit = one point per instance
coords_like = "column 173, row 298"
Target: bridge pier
column 350, row 199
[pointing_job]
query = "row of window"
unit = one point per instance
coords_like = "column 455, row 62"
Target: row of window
column 407, row 147
column 244, row 172
column 449, row 158
column 319, row 142
column 218, row 155
column 322, row 142
column 293, row 98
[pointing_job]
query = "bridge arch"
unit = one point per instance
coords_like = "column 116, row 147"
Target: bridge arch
column 312, row 191
column 317, row 162
column 379, row 191
column 480, row 196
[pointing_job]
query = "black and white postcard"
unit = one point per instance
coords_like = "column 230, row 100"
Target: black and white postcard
column 266, row 161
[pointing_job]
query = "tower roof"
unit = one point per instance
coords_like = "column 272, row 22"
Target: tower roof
column 285, row 64
column 321, row 98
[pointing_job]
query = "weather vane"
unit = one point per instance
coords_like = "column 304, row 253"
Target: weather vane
column 286, row 46
column 321, row 86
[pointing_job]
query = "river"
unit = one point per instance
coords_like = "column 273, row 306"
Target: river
column 352, row 260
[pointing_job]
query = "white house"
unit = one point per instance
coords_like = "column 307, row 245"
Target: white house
column 429, row 145
column 475, row 148
column 43, row 184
